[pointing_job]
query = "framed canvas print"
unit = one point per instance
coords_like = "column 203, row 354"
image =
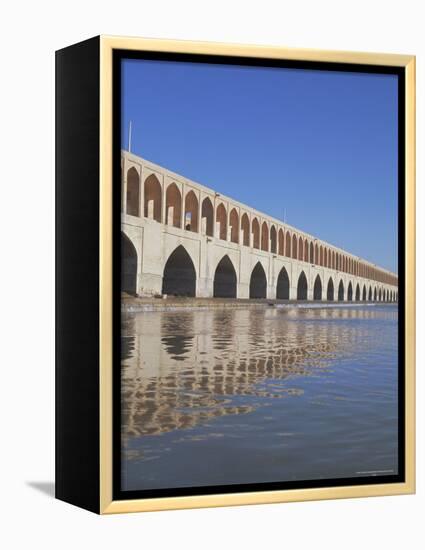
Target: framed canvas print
column 235, row 274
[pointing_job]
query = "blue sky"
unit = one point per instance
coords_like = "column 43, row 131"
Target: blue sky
column 319, row 146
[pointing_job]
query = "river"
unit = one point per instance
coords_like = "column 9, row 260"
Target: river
column 233, row 396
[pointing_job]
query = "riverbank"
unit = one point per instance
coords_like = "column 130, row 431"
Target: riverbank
column 133, row 304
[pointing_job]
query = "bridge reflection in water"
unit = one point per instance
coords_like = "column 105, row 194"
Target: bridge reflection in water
column 183, row 371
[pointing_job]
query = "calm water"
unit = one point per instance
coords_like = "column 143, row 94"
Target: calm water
column 255, row 395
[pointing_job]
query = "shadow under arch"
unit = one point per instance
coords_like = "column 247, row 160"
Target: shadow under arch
column 350, row 292
column 302, row 287
column 330, row 290
column 258, row 282
column 128, row 265
column 317, row 289
column 225, row 280
column 341, row 291
column 282, row 288
column 357, row 293
column 179, row 277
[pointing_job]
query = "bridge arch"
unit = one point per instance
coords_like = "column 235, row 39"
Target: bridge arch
column 191, row 206
column 281, row 240
column 294, row 246
column 350, row 292
column 375, row 295
column 357, row 296
column 153, row 198
column 273, row 240
column 317, row 289
column 245, row 229
column 341, row 291
column 300, row 248
column 255, row 228
column 221, row 219
column 306, row 250
column 179, row 277
column 207, row 214
column 128, row 265
column 133, row 192
column 364, row 293
column 288, row 244
column 370, row 294
column 379, row 296
column 311, row 252
column 258, row 282
column 282, row 289
column 264, row 237
column 234, row 226
column 330, row 293
column 302, row 287
column 225, row 280
column 173, row 206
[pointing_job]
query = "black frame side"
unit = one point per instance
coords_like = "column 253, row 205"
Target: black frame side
column 118, row 56
column 77, row 274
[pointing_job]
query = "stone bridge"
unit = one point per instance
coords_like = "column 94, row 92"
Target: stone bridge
column 181, row 238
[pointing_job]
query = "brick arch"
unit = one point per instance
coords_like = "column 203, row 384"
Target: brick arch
column 245, row 229
column 153, row 198
column 173, row 205
column 133, row 192
column 264, row 237
column 191, row 206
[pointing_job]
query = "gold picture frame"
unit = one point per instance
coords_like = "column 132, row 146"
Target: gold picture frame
column 106, row 503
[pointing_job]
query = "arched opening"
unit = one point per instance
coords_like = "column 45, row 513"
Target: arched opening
column 321, row 255
column 385, row 295
column 281, row 243
column 306, row 250
column 316, row 255
column 255, row 233
column 153, row 198
column 191, row 206
column 311, row 253
column 374, row 295
column 370, row 294
column 179, row 278
column 128, row 266
column 133, row 192
column 234, row 226
column 288, row 245
column 225, row 279
column 282, row 289
column 300, row 248
column 245, row 229
column 341, row 291
column 273, row 240
column 302, row 288
column 317, row 289
column 294, row 246
column 379, row 296
column 350, row 292
column 221, row 219
column 207, row 214
column 357, row 293
column 258, row 282
column 264, row 237
column 325, row 257
column 364, row 293
column 173, row 206
column 330, row 290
